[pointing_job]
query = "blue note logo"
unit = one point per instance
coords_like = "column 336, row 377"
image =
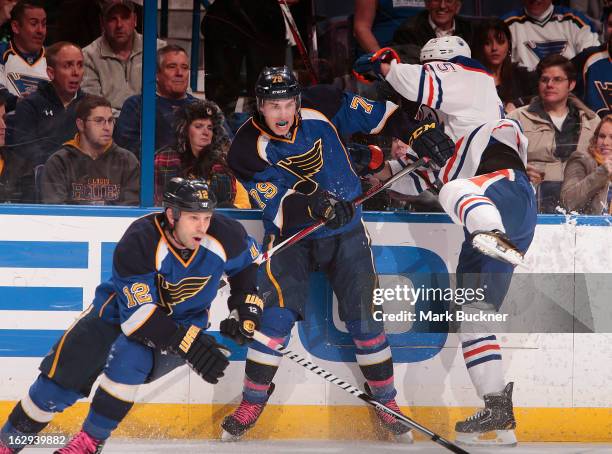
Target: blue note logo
column 324, row 336
column 545, row 48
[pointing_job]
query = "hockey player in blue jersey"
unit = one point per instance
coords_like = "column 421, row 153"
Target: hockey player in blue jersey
column 594, row 68
column 484, row 189
column 148, row 319
column 291, row 159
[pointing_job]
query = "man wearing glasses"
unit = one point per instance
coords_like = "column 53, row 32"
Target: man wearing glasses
column 556, row 123
column 90, row 169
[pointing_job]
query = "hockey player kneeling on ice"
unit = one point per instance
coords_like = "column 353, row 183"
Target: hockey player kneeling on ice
column 148, row 319
column 290, row 158
column 485, row 190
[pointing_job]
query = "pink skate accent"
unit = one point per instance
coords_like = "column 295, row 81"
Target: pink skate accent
column 81, row 443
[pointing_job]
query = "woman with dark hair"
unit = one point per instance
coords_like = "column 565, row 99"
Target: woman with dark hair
column 493, row 48
column 202, row 144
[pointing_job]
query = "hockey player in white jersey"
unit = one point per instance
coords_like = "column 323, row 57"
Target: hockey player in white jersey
column 484, row 188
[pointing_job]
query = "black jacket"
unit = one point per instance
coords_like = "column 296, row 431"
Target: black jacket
column 520, row 88
column 41, row 124
column 412, row 35
column 16, row 179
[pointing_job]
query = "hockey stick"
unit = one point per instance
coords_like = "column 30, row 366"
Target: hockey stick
column 406, row 421
column 298, row 41
column 358, row 201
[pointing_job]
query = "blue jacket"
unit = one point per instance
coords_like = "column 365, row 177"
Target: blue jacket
column 127, row 129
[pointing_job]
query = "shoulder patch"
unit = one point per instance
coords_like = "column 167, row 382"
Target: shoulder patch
column 137, row 251
column 327, row 99
column 243, row 157
column 228, row 235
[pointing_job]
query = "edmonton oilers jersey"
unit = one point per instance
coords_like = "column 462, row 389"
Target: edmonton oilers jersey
column 148, row 270
column 280, row 172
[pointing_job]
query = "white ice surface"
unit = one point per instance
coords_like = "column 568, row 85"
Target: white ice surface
column 136, row 446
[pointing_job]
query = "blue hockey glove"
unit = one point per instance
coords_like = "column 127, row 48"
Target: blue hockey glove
column 367, row 67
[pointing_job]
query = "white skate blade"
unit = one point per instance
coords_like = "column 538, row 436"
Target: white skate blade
column 494, row 438
column 406, row 438
column 488, row 245
column 227, row 437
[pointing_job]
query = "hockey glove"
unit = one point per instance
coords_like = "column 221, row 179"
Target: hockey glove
column 244, row 319
column 367, row 159
column 335, row 213
column 343, row 213
column 202, row 352
column 367, row 67
column 429, row 140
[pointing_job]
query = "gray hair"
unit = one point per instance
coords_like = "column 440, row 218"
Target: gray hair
column 161, row 53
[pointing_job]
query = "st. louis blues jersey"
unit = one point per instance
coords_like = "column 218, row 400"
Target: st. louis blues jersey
column 561, row 31
column 21, row 73
column 594, row 84
column 461, row 95
column 149, row 272
column 280, row 172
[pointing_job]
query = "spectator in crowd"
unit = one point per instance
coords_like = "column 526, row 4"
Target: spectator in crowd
column 556, row 123
column 439, row 19
column 237, row 31
column 593, row 9
column 113, row 62
column 5, row 19
column 44, row 120
column 16, row 177
column 375, row 21
column 515, row 85
column 588, row 174
column 202, row 145
column 90, row 169
column 172, row 83
column 594, row 65
column 540, row 29
column 22, row 63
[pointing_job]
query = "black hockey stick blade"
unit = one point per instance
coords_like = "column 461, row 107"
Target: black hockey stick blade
column 328, row 376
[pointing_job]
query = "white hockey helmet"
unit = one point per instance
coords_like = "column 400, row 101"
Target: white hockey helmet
column 445, row 48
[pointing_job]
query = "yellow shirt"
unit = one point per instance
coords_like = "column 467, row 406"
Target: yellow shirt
column 242, row 197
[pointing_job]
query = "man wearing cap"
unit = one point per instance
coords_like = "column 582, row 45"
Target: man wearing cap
column 113, row 62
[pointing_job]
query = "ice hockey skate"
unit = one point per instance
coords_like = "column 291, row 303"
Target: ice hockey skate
column 6, row 450
column 244, row 417
column 399, row 431
column 82, row 443
column 496, row 244
column 492, row 425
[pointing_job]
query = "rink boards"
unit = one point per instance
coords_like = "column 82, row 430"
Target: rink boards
column 52, row 259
